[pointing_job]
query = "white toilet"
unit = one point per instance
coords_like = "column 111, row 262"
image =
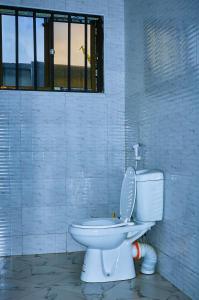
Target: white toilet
column 109, row 241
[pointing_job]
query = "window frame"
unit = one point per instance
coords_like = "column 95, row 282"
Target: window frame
column 99, row 53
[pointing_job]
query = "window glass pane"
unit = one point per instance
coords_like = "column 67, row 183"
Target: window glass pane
column 78, row 19
column 61, row 55
column 60, row 18
column 26, row 56
column 43, row 15
column 26, row 13
column 8, row 51
column 5, row 11
column 43, row 52
column 77, row 55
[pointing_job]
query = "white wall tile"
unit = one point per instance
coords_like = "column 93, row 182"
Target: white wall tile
column 43, row 192
column 39, row 244
column 54, row 148
column 162, row 87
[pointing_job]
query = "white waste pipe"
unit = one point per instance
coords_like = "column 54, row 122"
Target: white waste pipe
column 148, row 253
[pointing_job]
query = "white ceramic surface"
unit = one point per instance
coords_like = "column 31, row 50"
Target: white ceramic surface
column 108, row 241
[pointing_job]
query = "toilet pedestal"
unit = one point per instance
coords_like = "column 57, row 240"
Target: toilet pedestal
column 108, row 265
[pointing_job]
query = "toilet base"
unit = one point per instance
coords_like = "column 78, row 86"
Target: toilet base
column 108, row 265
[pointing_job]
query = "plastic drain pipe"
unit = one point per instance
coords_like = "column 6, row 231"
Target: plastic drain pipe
column 148, row 253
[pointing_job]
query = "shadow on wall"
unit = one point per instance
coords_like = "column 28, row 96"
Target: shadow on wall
column 169, row 60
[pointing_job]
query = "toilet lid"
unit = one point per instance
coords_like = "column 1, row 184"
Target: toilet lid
column 128, row 194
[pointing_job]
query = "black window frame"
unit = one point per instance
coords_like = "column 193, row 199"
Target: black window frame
column 99, row 51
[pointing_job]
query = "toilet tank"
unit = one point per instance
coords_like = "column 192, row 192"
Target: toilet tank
column 149, row 199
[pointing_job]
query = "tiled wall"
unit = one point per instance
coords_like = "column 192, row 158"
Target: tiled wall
column 162, row 113
column 62, row 154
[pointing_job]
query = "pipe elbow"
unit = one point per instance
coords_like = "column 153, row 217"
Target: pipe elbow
column 147, row 252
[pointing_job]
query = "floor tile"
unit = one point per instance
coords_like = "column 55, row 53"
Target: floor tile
column 57, row 277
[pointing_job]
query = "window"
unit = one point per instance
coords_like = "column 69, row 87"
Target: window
column 53, row 51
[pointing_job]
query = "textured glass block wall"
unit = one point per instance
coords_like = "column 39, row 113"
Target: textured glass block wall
column 61, row 154
column 162, row 113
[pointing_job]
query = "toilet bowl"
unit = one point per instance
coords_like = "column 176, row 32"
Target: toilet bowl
column 108, row 234
column 108, row 241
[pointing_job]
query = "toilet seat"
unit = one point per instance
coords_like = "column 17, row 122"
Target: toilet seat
column 127, row 202
column 100, row 223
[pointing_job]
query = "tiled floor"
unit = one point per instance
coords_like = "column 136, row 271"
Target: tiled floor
column 56, row 277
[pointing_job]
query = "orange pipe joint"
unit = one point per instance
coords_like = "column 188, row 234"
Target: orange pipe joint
column 147, row 252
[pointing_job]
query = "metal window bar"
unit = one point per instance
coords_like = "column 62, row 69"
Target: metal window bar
column 69, row 52
column 52, row 49
column 1, row 63
column 35, row 49
column 99, row 54
column 86, row 54
column 17, row 48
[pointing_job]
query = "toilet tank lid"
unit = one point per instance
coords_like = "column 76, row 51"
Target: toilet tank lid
column 149, row 175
